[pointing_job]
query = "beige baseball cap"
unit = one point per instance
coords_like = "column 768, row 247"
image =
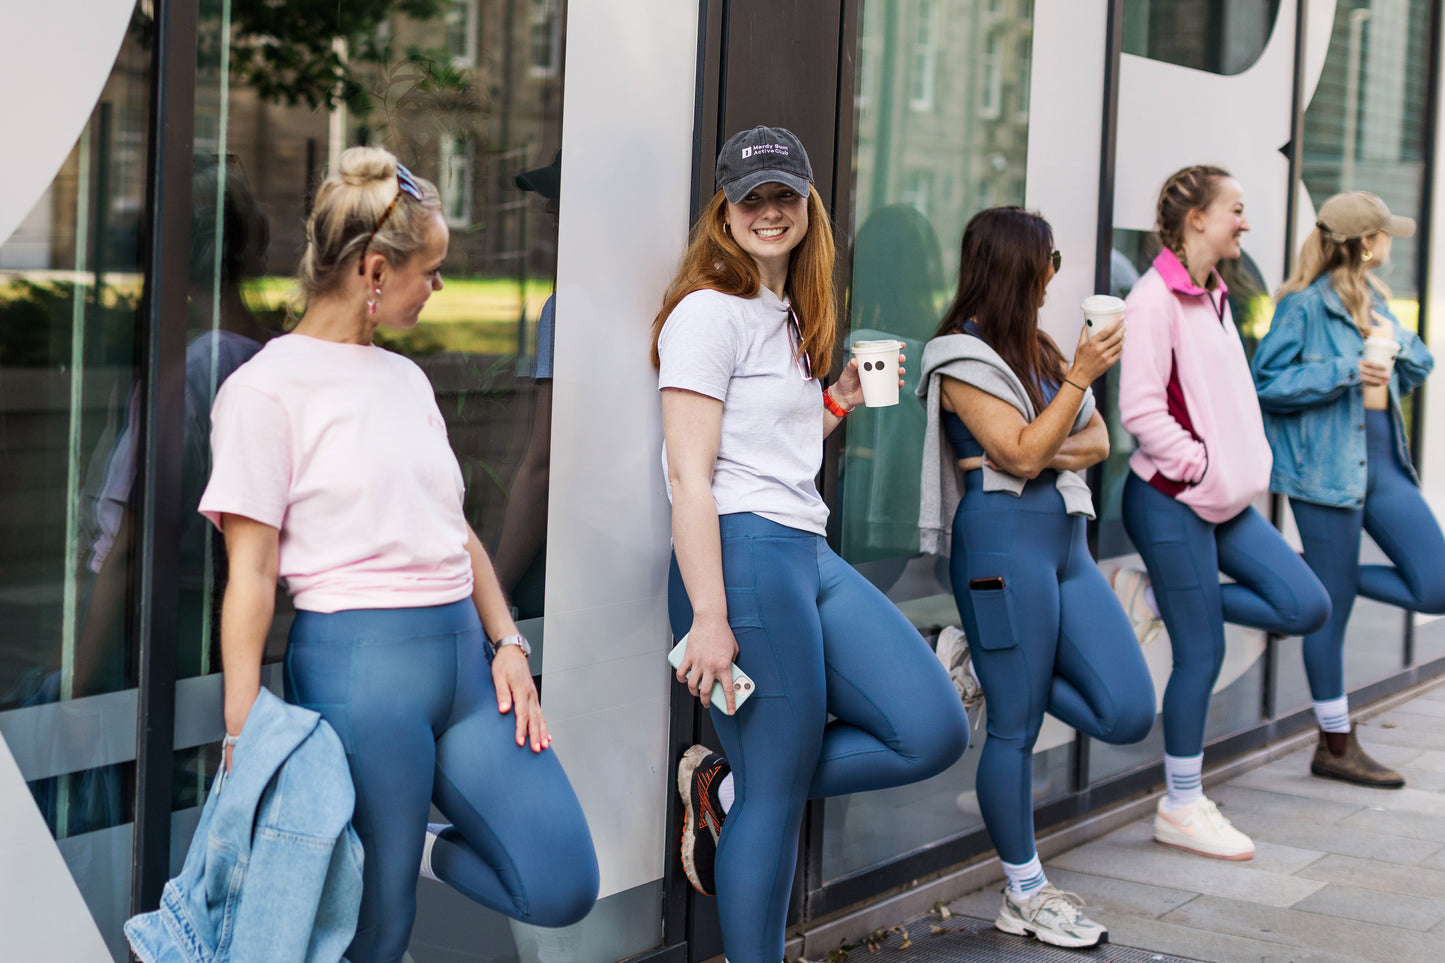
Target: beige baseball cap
column 1358, row 214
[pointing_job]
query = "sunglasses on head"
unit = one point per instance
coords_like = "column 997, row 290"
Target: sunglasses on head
column 405, row 184
column 1056, row 258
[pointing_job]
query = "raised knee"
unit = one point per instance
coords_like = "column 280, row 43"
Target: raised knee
column 1313, row 612
column 565, row 898
column 1432, row 597
column 939, row 744
column 1135, row 720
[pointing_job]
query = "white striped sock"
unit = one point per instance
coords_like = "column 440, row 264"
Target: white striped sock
column 1183, row 779
column 1025, row 879
column 1333, row 714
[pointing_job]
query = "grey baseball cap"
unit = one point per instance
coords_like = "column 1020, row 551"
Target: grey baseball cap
column 763, row 155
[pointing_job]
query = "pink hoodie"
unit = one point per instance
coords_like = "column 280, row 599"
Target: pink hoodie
column 1186, row 394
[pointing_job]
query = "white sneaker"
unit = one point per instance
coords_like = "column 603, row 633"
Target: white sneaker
column 433, row 830
column 1200, row 828
column 1052, row 916
column 952, row 651
column 1131, row 585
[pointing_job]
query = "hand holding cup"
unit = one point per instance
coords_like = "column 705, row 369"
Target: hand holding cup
column 1096, row 353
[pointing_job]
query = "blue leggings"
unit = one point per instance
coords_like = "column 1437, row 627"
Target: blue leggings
column 410, row 693
column 1054, row 639
column 1273, row 589
column 817, row 638
column 1397, row 518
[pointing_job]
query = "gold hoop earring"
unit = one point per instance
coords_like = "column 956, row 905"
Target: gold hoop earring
column 1367, row 255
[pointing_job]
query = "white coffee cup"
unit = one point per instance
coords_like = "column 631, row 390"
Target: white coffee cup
column 1101, row 311
column 878, row 371
column 1382, row 351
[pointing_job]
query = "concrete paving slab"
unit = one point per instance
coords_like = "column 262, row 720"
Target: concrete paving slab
column 1372, row 906
column 1425, row 707
column 1237, row 801
column 1374, row 874
column 1402, row 800
column 1398, row 734
column 1351, row 937
column 1252, row 920
column 1404, row 718
column 1423, row 779
column 1415, row 825
column 1204, row 945
column 1433, row 760
column 1157, row 865
column 1302, row 832
column 1269, row 857
column 1111, row 898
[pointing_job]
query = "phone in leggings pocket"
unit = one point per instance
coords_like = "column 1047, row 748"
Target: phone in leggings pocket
column 742, row 683
column 991, row 584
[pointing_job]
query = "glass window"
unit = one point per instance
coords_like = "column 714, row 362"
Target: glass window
column 457, row 167
column 1221, row 36
column 991, row 100
column 482, row 118
column 461, row 42
column 546, row 38
column 918, row 177
column 922, row 62
column 1364, row 129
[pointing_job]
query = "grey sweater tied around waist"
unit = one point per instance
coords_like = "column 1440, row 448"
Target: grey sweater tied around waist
column 972, row 361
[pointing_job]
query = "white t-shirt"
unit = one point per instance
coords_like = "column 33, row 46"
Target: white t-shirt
column 342, row 448
column 739, row 350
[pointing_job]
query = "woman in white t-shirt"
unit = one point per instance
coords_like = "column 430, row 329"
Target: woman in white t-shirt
column 332, row 470
column 744, row 334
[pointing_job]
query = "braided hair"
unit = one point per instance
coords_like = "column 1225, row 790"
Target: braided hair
column 1187, row 190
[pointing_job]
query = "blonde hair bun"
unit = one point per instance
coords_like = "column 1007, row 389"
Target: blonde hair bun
column 360, row 166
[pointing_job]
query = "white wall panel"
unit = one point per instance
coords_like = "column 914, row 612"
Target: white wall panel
column 627, row 135
column 1172, row 116
column 1065, row 130
column 1432, row 462
column 42, row 914
column 47, row 116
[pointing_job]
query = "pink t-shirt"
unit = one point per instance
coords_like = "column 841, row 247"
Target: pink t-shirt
column 342, row 448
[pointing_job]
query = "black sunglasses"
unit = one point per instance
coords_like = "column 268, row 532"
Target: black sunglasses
column 1056, row 258
column 405, row 184
column 800, row 358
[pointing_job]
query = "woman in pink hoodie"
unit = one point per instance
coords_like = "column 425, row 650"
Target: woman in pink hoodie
column 1187, row 396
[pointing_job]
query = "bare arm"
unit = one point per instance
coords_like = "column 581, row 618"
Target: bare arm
column 252, row 551
column 1025, row 448
column 692, row 426
column 511, row 675
column 1083, row 449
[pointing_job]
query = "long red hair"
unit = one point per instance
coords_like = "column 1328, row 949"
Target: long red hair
column 713, row 261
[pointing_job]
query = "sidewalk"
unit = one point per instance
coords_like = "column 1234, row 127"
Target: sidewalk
column 1342, row 873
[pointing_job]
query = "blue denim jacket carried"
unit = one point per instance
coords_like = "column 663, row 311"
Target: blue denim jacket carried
column 1307, row 373
column 274, row 869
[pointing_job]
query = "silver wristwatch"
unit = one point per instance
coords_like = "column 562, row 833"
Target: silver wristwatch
column 519, row 640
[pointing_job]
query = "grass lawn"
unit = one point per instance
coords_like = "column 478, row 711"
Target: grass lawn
column 475, row 316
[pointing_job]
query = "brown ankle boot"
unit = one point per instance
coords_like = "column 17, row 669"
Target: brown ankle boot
column 1339, row 756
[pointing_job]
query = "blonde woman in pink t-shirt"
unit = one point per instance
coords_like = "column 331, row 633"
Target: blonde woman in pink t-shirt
column 1186, row 394
column 332, row 471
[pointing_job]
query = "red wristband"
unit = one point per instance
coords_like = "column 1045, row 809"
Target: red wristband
column 833, row 406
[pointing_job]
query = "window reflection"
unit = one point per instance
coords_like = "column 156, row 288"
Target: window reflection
column 469, row 97
column 1221, row 36
column 942, row 127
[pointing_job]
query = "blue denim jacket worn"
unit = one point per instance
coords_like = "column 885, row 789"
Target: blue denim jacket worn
column 274, row 869
column 1307, row 373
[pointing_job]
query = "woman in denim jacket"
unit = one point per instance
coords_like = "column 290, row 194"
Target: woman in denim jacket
column 1333, row 420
